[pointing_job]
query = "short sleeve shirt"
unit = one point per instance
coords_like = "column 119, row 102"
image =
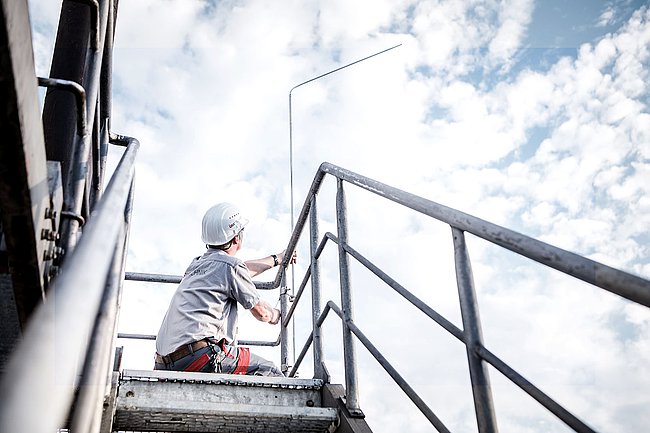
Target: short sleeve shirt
column 205, row 303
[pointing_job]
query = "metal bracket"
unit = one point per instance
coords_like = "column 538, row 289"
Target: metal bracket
column 79, row 94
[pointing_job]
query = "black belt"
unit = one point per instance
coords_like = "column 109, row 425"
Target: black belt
column 181, row 352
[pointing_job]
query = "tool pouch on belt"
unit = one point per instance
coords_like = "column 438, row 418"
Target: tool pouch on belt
column 216, row 358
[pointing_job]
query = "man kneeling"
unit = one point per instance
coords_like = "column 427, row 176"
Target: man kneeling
column 199, row 329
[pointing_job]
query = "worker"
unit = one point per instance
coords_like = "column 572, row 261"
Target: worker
column 199, row 331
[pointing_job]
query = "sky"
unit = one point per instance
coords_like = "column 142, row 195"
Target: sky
column 532, row 115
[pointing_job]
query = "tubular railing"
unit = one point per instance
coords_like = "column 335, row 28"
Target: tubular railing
column 68, row 344
column 60, row 371
column 629, row 286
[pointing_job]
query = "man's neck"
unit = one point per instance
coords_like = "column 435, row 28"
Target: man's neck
column 232, row 250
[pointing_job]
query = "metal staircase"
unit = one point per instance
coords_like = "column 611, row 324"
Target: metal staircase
column 62, row 267
column 203, row 402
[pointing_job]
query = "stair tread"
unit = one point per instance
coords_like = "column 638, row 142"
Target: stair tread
column 220, row 378
column 201, row 402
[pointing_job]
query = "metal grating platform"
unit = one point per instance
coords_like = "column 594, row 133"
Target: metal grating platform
column 202, row 402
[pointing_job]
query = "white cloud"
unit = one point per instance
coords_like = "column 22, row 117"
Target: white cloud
column 606, row 18
column 561, row 154
column 514, row 18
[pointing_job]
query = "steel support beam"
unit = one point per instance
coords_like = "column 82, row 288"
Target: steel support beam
column 68, row 63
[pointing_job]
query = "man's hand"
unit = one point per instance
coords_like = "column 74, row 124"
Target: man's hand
column 257, row 266
column 263, row 312
column 276, row 317
column 294, row 257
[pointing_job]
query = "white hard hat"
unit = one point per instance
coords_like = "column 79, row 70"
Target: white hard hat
column 221, row 223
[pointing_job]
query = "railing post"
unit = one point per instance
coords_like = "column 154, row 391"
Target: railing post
column 352, row 395
column 479, row 375
column 284, row 330
column 315, row 291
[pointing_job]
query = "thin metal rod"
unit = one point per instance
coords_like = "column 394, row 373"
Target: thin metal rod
column 75, row 181
column 297, row 297
column 106, row 96
column 241, row 342
column 260, row 343
column 136, row 336
column 343, row 67
column 546, row 401
column 48, row 357
column 399, row 380
column 152, row 278
column 284, row 332
column 291, row 117
column 349, row 352
column 93, row 191
column 479, row 375
column 305, row 279
column 417, row 302
column 291, row 188
column 632, row 287
column 318, row 324
column 300, row 224
column 175, row 279
column 303, row 352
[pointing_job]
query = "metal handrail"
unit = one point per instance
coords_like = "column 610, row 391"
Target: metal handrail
column 53, row 348
column 619, row 282
column 624, row 284
column 175, row 279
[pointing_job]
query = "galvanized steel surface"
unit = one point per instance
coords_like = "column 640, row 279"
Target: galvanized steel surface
column 622, row 283
column 572, row 264
column 61, row 327
column 478, row 372
column 181, row 401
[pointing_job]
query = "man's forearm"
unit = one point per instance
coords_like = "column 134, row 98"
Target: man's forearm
column 258, row 266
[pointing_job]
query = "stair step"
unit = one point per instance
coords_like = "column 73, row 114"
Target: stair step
column 202, row 402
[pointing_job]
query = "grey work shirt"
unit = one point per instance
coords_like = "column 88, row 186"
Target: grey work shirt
column 205, row 303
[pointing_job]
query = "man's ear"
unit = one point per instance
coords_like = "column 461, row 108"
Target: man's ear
column 236, row 240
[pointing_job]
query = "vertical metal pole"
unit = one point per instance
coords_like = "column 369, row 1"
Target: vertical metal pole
column 479, row 375
column 106, row 93
column 284, row 328
column 349, row 355
column 315, row 292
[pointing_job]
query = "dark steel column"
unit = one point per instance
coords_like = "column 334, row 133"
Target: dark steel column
column 68, row 62
column 473, row 336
